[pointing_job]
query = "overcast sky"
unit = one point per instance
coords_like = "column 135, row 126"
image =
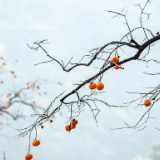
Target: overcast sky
column 73, row 28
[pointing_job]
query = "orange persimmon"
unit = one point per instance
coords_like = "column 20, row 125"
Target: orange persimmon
column 8, row 95
column 28, row 157
column 38, row 86
column 74, row 121
column 100, row 86
column 116, row 67
column 147, row 102
column 28, row 86
column 34, row 101
column 36, row 143
column 92, row 86
column 115, row 59
column 73, row 126
column 68, row 128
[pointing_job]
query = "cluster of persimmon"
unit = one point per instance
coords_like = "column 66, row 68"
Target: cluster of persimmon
column 116, row 60
column 98, row 86
column 19, row 93
column 147, row 102
column 37, row 86
column 4, row 63
column 10, row 94
column 73, row 124
column 34, row 143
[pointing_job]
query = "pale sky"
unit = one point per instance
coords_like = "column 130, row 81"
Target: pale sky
column 73, row 28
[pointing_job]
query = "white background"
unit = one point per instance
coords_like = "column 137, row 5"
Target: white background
column 73, row 28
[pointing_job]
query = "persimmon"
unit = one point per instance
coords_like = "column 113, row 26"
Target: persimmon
column 7, row 108
column 115, row 59
column 14, row 76
column 92, row 86
column 38, row 86
column 147, row 102
column 1, row 113
column 100, row 86
column 36, row 143
column 68, row 128
column 8, row 95
column 28, row 156
column 74, row 121
column 1, row 81
column 116, row 67
column 34, row 101
column 28, row 86
column 73, row 126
